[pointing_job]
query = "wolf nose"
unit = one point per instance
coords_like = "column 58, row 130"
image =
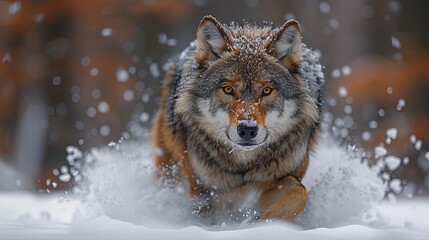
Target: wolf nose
column 247, row 130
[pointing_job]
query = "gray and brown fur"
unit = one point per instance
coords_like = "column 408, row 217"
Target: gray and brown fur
column 197, row 127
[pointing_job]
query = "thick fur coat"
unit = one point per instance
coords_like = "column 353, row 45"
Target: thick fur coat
column 240, row 112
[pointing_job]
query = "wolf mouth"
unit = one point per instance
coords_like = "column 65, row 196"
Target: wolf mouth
column 246, row 146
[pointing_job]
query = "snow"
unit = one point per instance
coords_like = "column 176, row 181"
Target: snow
column 380, row 151
column 342, row 91
column 406, row 160
column 103, row 107
column 65, row 177
column 400, row 105
column 73, row 153
column 144, row 117
column 128, row 95
column 56, row 172
column 366, row 136
column 56, row 80
column 336, row 73
column 392, row 162
column 348, row 109
column 14, row 7
column 325, row 7
column 118, row 197
column 122, row 75
column 154, row 70
column 392, row 133
column 396, row 43
column 106, row 32
column 346, row 70
column 6, row 58
column 91, row 112
column 27, row 216
column 413, row 139
column 96, row 94
column 94, row 72
column 105, row 130
column 418, row 145
column 373, row 124
column 85, row 61
column 335, row 180
column 334, row 23
column 395, row 185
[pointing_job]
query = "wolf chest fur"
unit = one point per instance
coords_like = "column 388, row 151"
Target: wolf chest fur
column 240, row 112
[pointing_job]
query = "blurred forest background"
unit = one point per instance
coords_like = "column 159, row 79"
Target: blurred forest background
column 85, row 73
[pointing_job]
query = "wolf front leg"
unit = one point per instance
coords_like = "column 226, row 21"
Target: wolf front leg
column 283, row 199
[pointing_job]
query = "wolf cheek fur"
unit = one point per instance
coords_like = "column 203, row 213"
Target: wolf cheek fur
column 240, row 112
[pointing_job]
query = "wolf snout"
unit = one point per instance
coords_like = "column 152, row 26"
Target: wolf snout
column 247, row 129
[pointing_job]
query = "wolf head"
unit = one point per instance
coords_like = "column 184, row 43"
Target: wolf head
column 248, row 86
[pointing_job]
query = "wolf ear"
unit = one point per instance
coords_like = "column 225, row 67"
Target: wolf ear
column 211, row 39
column 286, row 44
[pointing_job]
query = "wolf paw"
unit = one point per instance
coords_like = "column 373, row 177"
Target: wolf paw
column 286, row 204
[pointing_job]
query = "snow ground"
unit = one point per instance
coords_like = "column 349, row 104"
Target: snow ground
column 118, row 199
column 27, row 216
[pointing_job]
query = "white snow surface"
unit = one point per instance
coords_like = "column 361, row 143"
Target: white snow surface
column 118, row 198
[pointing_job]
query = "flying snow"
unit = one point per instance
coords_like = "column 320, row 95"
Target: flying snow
column 103, row 107
column 396, row 43
column 392, row 162
column 106, row 32
column 6, row 58
column 128, row 95
column 325, row 7
column 154, row 70
column 14, row 7
column 342, row 91
column 85, row 61
column 341, row 188
column 122, row 75
column 418, row 145
column 119, row 181
column 400, row 105
column 391, row 134
column 380, row 151
column 56, row 80
column 395, row 185
column 346, row 70
column 94, row 72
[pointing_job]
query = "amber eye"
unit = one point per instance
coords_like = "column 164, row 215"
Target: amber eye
column 228, row 90
column 267, row 91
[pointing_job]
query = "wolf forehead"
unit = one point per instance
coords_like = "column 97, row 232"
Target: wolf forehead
column 243, row 47
column 249, row 39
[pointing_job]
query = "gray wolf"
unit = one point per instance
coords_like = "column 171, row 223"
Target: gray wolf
column 240, row 113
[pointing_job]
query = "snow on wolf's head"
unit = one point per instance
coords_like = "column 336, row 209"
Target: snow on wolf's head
column 248, row 84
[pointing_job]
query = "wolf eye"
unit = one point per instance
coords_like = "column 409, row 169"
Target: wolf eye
column 228, row 90
column 267, row 91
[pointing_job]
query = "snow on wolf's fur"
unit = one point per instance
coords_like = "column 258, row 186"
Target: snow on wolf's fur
column 119, row 182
